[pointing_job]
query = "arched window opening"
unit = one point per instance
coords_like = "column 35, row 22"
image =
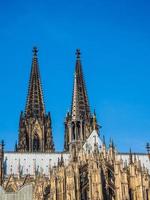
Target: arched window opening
column 46, row 194
column 111, row 176
column 78, row 130
column 84, row 183
column 36, row 143
column 73, row 131
column 27, row 142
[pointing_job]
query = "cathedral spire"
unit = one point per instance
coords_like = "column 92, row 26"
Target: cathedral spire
column 35, row 104
column 79, row 123
column 35, row 127
column 80, row 106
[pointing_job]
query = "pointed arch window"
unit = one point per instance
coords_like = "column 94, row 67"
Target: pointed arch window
column 78, row 130
column 73, row 131
column 36, row 142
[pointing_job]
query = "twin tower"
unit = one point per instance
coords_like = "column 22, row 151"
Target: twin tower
column 35, row 129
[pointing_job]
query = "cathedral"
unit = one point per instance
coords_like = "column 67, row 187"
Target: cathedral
column 87, row 168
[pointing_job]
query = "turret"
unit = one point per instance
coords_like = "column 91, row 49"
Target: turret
column 111, row 151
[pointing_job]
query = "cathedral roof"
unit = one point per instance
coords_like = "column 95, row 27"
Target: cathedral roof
column 31, row 163
column 91, row 141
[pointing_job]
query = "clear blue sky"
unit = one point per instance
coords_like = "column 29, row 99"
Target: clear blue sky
column 114, row 38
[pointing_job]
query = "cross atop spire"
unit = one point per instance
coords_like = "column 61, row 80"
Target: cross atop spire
column 35, row 51
column 35, row 103
column 78, row 54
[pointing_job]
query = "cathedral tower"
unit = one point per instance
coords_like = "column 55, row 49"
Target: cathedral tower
column 35, row 132
column 79, row 122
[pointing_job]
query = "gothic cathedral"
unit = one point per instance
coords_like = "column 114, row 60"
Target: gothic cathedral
column 87, row 168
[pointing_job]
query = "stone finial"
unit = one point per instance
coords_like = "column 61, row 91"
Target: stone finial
column 78, row 54
column 35, row 51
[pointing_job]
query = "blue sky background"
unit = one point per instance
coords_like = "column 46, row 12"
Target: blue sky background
column 114, row 38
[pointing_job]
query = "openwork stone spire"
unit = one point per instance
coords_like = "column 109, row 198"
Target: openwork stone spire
column 35, row 104
column 80, row 106
column 79, row 122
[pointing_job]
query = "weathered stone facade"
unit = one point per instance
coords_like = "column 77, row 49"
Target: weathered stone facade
column 100, row 175
column 86, row 170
